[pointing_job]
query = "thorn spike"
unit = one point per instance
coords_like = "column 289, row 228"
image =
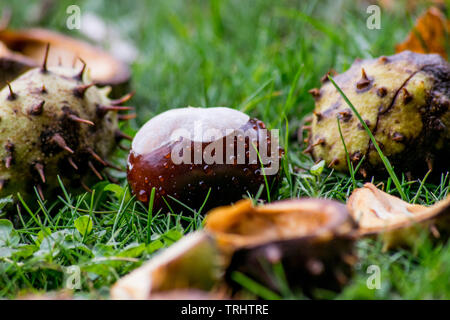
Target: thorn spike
column 95, row 170
column 79, row 76
column 126, row 117
column 319, row 141
column 121, row 135
column 97, row 157
column 309, row 149
column 37, row 109
column 382, row 92
column 114, row 108
column 429, row 161
column 355, row 157
column 407, row 97
column 435, row 231
column 59, row 140
column 308, row 119
column 333, row 162
column 80, row 120
column 44, row 64
column 398, row 137
column 318, row 115
column 364, row 81
column 39, row 189
column 8, row 161
column 124, row 99
column 40, row 169
column 9, row 147
column 383, row 59
column 345, row 115
column 315, row 93
column 363, row 74
column 85, row 187
column 72, row 163
column 80, row 90
column 331, row 72
column 363, row 172
column 12, row 96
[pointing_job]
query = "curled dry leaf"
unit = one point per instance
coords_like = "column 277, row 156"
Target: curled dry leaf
column 189, row 264
column 429, row 34
column 309, row 237
column 399, row 222
column 66, row 51
column 12, row 65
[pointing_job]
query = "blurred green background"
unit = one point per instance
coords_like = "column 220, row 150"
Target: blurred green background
column 222, row 53
column 260, row 56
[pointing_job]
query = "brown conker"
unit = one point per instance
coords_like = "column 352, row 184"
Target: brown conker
column 188, row 152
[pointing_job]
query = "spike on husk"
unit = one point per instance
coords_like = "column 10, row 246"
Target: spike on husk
column 44, row 63
column 12, row 96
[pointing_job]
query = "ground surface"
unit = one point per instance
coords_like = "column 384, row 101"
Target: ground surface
column 257, row 56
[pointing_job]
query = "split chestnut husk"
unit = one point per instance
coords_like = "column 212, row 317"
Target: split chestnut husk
column 309, row 237
column 190, row 264
column 31, row 44
column 12, row 65
column 396, row 221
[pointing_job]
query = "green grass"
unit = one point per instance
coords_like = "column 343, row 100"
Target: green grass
column 260, row 56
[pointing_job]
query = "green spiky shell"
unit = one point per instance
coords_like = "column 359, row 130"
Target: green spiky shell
column 41, row 106
column 404, row 100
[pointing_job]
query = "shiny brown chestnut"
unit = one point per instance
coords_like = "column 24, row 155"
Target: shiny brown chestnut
column 189, row 152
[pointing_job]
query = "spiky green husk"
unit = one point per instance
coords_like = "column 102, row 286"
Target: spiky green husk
column 53, row 122
column 404, row 100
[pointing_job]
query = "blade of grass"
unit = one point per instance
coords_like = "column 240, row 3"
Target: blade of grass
column 254, row 287
column 349, row 163
column 150, row 214
column 385, row 160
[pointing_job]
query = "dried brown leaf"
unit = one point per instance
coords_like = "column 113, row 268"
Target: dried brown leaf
column 378, row 212
column 429, row 35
